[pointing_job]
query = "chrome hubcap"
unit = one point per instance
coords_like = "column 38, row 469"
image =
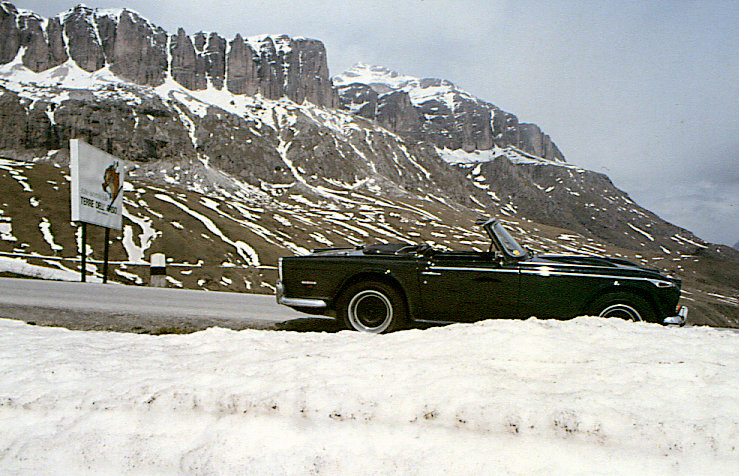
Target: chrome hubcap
column 370, row 311
column 623, row 311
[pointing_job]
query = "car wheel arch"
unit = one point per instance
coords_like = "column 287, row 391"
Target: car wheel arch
column 372, row 287
column 625, row 292
column 371, row 276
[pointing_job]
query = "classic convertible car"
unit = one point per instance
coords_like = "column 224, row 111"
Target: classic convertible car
column 383, row 287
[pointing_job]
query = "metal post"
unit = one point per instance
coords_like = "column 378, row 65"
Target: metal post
column 109, row 149
column 105, row 255
column 83, row 271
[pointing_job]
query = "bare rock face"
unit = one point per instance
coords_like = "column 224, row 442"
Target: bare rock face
column 242, row 68
column 358, row 98
column 44, row 49
column 393, row 110
column 84, row 46
column 36, row 57
column 106, row 30
column 396, row 113
column 447, row 117
column 25, row 123
column 533, row 140
column 9, row 32
column 12, row 119
column 463, row 124
column 55, row 38
column 280, row 66
column 307, row 73
column 505, row 128
column 139, row 50
column 271, row 75
column 213, row 51
column 188, row 67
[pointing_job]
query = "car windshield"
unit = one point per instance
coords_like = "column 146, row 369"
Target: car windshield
column 510, row 245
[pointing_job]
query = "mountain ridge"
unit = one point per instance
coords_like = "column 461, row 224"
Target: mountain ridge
column 137, row 50
column 168, row 121
column 435, row 110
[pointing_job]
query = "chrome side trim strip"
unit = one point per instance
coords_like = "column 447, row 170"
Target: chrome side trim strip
column 484, row 270
column 544, row 272
column 302, row 302
column 588, row 275
column 572, row 265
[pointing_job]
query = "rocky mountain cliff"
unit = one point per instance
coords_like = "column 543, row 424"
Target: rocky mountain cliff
column 234, row 170
column 134, row 49
column 436, row 111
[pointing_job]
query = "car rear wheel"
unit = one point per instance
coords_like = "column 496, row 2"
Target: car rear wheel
column 624, row 306
column 372, row 307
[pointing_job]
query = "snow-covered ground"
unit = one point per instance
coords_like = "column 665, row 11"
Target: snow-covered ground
column 587, row 396
column 21, row 267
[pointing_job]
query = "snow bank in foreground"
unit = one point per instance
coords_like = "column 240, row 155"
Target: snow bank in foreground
column 583, row 396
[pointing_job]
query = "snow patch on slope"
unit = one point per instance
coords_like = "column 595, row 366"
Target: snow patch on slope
column 513, row 154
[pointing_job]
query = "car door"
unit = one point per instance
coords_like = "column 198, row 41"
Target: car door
column 468, row 287
column 557, row 291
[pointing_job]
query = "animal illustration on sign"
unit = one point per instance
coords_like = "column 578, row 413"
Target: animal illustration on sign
column 112, row 182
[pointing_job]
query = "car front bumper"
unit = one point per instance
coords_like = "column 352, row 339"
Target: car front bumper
column 679, row 319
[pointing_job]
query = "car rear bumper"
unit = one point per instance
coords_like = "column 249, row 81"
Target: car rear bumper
column 679, row 319
column 297, row 302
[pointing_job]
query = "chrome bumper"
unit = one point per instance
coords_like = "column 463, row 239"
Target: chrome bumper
column 297, row 302
column 679, row 319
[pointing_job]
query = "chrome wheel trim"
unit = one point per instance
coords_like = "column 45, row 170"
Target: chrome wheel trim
column 621, row 310
column 362, row 324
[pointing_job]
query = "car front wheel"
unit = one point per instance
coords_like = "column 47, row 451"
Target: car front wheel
column 372, row 307
column 624, row 306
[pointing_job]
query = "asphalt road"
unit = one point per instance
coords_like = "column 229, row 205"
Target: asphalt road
column 115, row 307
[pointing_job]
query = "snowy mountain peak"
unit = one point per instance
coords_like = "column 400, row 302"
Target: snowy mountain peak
column 380, row 78
column 435, row 110
column 384, row 80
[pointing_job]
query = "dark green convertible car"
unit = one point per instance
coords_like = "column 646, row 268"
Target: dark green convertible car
column 384, row 287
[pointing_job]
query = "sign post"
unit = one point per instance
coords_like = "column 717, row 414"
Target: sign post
column 105, row 255
column 96, row 193
column 83, row 267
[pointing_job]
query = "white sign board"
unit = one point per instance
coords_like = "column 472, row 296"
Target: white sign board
column 97, row 185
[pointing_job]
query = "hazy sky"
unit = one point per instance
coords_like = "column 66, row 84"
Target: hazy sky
column 647, row 92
